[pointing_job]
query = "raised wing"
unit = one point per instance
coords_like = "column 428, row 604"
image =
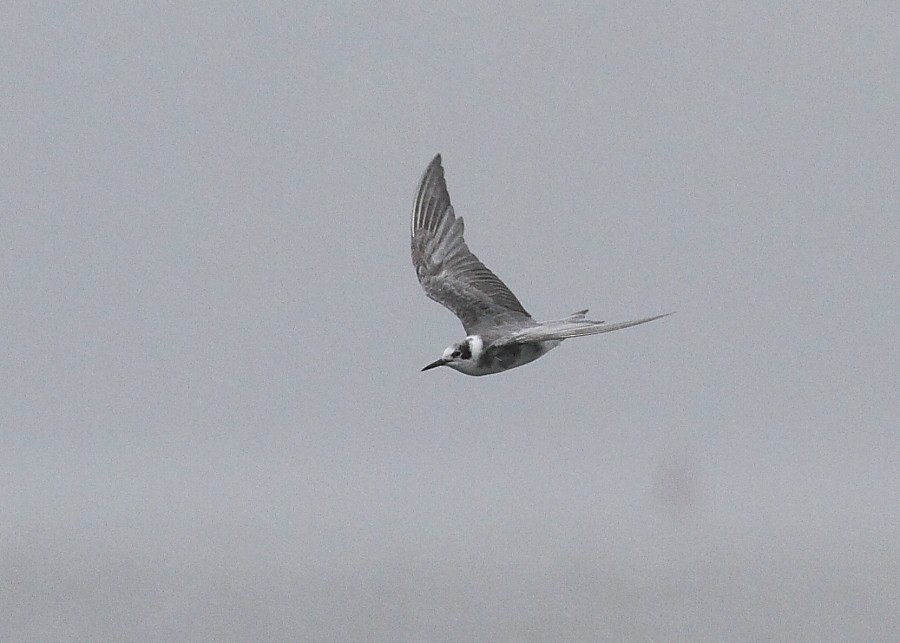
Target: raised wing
column 568, row 328
column 449, row 273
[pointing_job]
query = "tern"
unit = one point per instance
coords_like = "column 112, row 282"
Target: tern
column 500, row 333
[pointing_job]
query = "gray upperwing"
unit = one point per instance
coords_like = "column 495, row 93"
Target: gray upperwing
column 566, row 329
column 448, row 271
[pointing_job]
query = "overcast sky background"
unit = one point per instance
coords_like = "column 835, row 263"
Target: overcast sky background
column 213, row 422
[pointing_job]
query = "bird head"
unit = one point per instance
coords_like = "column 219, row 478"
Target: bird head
column 461, row 356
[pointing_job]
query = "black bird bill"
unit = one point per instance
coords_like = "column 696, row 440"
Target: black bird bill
column 435, row 364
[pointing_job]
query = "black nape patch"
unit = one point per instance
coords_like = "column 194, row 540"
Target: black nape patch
column 464, row 351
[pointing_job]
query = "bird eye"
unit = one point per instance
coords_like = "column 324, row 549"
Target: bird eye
column 455, row 354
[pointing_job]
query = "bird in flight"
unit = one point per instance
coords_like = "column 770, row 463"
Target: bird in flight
column 500, row 333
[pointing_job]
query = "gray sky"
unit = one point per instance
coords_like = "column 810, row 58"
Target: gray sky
column 214, row 425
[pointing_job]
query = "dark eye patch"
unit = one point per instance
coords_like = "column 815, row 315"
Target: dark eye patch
column 465, row 351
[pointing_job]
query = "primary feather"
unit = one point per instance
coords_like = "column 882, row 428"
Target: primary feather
column 448, row 271
column 567, row 328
